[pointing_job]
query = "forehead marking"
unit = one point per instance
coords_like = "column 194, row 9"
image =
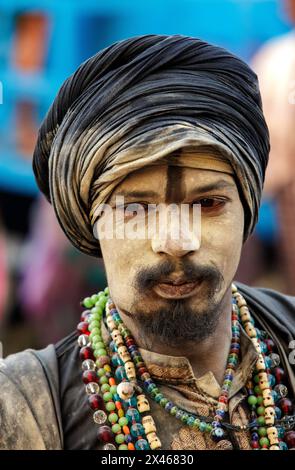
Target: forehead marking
column 175, row 190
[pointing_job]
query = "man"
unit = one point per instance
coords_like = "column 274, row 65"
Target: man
column 173, row 355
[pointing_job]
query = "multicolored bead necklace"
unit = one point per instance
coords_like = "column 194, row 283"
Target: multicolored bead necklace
column 121, row 409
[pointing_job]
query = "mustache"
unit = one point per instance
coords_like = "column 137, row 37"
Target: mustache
column 148, row 277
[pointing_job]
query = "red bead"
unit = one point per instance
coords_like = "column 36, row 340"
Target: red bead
column 223, row 399
column 255, row 444
column 289, row 438
column 279, row 374
column 105, row 434
column 140, row 364
column 86, row 353
column 129, row 342
column 96, row 402
column 286, row 406
column 142, row 370
column 83, row 328
column 235, row 351
column 270, row 344
column 89, row 376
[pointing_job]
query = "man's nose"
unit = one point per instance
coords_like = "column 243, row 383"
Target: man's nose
column 177, row 238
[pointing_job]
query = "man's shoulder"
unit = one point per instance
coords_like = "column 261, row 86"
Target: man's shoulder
column 29, row 384
column 273, row 307
column 66, row 345
column 267, row 294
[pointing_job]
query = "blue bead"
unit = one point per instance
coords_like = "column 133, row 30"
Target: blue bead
column 112, row 346
column 116, row 361
column 283, row 445
column 278, row 412
column 120, row 373
column 148, row 382
column 203, row 426
column 190, row 421
column 151, row 387
column 132, row 415
column 275, row 396
column 141, row 444
column 159, row 397
column 263, row 347
column 271, row 379
column 132, row 402
column 137, row 430
column 217, row 434
column 215, row 424
column 281, row 432
column 268, row 362
column 128, row 438
column 255, row 436
column 169, row 406
column 179, row 414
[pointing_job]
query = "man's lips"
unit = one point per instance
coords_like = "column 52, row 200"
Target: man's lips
column 176, row 289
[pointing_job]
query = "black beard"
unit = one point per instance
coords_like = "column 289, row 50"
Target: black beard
column 177, row 323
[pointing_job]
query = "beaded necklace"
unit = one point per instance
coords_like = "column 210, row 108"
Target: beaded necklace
column 115, row 378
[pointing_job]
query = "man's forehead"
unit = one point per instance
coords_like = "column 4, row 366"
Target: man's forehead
column 172, row 183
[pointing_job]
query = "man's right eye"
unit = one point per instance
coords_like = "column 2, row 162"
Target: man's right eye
column 134, row 208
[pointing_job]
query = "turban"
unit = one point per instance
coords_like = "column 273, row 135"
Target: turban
column 135, row 103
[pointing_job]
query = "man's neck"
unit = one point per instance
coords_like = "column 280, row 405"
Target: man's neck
column 208, row 355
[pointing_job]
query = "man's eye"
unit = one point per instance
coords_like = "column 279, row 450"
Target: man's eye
column 210, row 203
column 134, row 208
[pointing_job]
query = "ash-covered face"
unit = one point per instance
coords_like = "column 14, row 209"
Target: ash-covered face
column 166, row 287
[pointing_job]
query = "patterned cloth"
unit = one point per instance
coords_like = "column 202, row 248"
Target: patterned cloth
column 176, row 380
column 43, row 404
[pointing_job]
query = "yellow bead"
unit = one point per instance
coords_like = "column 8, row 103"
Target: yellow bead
column 120, row 413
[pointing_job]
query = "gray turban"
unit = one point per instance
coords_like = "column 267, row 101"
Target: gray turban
column 135, row 103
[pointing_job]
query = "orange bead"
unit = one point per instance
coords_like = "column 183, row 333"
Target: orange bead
column 118, row 405
column 126, row 430
column 112, row 381
column 131, row 446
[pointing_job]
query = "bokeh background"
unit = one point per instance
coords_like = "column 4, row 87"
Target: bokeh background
column 42, row 278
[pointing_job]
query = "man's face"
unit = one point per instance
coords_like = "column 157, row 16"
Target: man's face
column 140, row 272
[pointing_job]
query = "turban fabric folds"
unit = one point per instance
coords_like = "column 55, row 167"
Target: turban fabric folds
column 134, row 104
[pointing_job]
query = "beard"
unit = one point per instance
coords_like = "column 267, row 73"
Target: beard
column 177, row 321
